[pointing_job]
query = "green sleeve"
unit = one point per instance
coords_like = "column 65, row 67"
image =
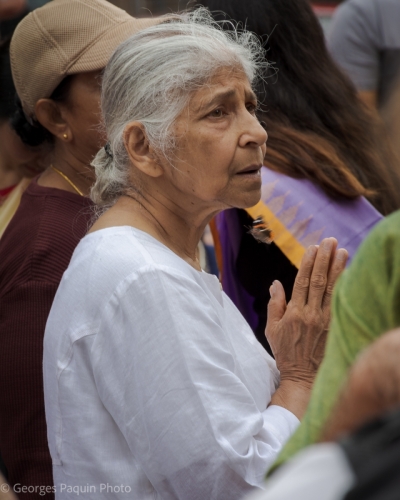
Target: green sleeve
column 366, row 303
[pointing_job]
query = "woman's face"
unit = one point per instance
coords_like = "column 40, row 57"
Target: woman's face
column 220, row 145
column 23, row 159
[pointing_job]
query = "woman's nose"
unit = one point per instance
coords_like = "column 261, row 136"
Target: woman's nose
column 256, row 133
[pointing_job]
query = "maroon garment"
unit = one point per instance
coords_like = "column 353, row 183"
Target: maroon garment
column 35, row 250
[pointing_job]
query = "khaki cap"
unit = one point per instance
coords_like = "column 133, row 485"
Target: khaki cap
column 65, row 37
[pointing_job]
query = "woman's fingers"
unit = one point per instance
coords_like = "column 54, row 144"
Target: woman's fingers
column 302, row 282
column 276, row 307
column 337, row 266
column 320, row 272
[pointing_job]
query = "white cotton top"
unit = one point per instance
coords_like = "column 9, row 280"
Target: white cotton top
column 155, row 386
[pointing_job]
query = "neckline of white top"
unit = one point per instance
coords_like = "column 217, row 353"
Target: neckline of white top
column 210, row 278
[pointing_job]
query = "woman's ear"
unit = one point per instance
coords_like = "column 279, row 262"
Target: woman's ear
column 139, row 150
column 50, row 116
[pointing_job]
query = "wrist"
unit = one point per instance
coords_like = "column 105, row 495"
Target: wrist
column 293, row 395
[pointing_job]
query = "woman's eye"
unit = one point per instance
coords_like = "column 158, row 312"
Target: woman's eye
column 216, row 113
column 251, row 108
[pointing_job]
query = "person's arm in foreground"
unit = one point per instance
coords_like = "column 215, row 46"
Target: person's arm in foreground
column 372, row 388
column 365, row 305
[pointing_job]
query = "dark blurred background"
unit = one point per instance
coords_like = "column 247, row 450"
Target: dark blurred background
column 143, row 8
column 139, row 7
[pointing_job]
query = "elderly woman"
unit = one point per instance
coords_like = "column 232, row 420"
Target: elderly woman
column 57, row 55
column 155, row 385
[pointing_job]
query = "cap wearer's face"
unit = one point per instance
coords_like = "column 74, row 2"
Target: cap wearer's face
column 82, row 112
column 219, row 137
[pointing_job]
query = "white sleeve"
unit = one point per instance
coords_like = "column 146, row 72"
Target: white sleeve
column 320, row 472
column 166, row 375
column 354, row 43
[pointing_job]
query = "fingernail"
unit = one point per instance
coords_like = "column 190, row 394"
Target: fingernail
column 342, row 254
column 272, row 289
column 327, row 244
column 312, row 250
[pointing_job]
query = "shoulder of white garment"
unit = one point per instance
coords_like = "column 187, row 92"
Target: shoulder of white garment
column 105, row 258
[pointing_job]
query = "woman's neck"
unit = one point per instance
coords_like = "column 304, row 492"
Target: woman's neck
column 180, row 233
column 69, row 173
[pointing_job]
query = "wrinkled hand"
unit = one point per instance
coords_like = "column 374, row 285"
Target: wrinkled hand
column 297, row 331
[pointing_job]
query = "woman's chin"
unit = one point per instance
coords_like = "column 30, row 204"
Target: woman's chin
column 248, row 199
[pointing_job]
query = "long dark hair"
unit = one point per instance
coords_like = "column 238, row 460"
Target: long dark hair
column 317, row 126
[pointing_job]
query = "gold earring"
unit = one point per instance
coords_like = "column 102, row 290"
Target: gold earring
column 65, row 136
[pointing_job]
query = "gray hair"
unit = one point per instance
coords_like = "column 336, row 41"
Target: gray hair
column 150, row 79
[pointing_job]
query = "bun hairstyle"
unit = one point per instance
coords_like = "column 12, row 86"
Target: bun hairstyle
column 150, row 79
column 32, row 132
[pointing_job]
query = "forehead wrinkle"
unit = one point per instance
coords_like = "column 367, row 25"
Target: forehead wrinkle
column 219, row 79
column 223, row 95
column 219, row 96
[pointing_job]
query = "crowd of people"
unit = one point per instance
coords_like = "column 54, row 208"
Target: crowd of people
column 126, row 370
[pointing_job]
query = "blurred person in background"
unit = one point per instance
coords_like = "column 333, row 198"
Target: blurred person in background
column 390, row 114
column 327, row 169
column 12, row 11
column 57, row 55
column 364, row 39
column 11, row 8
column 18, row 161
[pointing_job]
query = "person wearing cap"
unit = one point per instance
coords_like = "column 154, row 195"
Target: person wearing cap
column 57, row 55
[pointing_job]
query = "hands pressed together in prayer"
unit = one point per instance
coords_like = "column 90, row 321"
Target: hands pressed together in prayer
column 297, row 331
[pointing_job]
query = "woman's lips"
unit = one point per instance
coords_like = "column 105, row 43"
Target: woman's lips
column 251, row 170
